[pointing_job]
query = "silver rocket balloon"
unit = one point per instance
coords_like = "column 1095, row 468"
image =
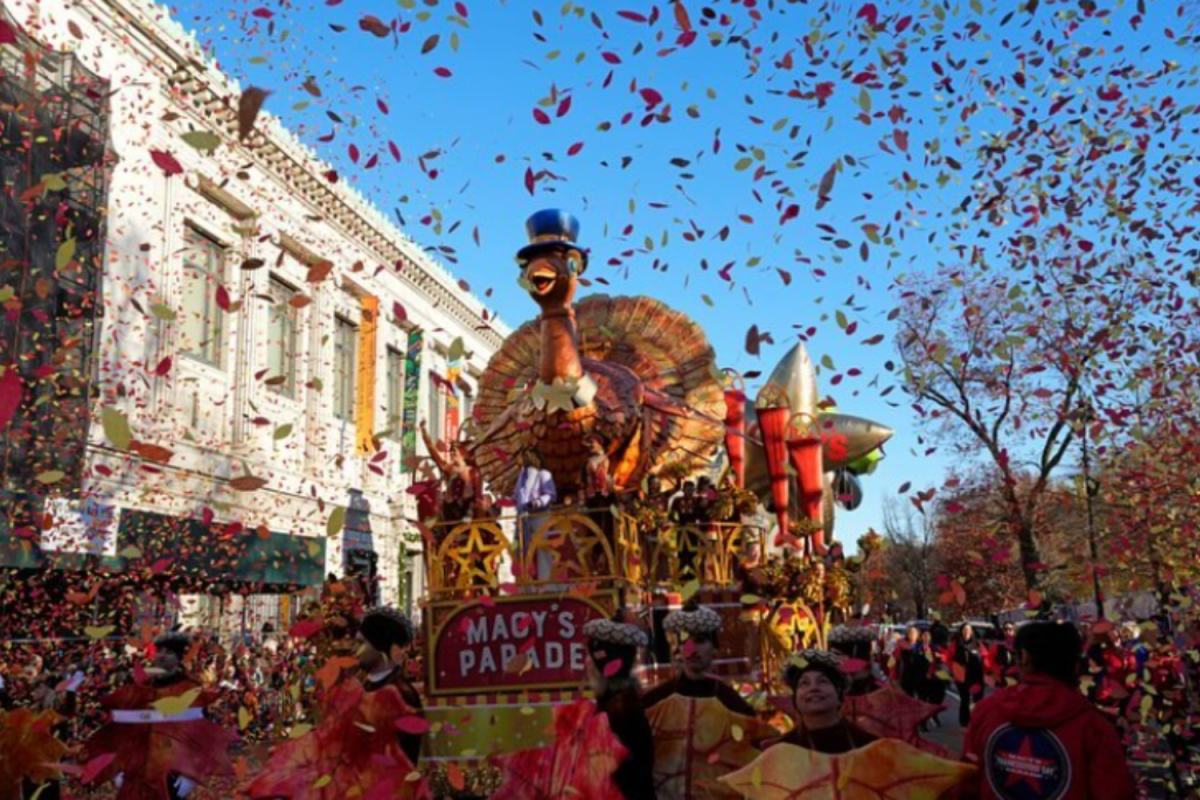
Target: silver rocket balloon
column 846, row 438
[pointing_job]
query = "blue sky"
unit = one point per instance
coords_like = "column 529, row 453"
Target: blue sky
column 467, row 141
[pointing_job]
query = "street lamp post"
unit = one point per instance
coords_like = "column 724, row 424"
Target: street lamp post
column 1091, row 488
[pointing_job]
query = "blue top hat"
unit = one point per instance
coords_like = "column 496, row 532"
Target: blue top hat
column 549, row 229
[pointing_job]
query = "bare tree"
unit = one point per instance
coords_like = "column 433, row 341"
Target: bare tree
column 909, row 555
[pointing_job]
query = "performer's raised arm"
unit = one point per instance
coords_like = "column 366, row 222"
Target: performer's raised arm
column 431, row 446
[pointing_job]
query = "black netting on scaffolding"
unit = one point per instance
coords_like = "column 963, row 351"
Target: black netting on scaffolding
column 55, row 163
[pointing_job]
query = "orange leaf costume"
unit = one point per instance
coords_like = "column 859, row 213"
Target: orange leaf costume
column 353, row 752
column 579, row 763
column 696, row 741
column 27, row 749
column 883, row 770
column 150, row 744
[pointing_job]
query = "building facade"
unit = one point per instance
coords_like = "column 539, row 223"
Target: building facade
column 265, row 345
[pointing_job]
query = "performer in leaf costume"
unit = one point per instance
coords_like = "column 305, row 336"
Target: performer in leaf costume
column 612, row 650
column 159, row 744
column 883, row 770
column 580, row 761
column 702, row 727
column 28, row 752
column 818, row 688
column 369, row 736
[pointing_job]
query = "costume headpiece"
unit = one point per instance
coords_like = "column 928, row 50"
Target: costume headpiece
column 176, row 642
column 384, row 627
column 549, row 229
column 823, row 661
column 621, row 634
column 701, row 620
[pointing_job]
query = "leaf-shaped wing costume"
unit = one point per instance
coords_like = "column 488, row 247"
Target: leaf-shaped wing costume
column 27, row 749
column 579, row 763
column 883, row 770
column 148, row 753
column 891, row 714
column 696, row 741
column 353, row 752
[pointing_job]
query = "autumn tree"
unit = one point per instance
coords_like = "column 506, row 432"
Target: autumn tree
column 978, row 566
column 1007, row 362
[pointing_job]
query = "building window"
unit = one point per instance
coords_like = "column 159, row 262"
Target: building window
column 437, row 409
column 395, row 394
column 281, row 340
column 202, row 326
column 345, row 367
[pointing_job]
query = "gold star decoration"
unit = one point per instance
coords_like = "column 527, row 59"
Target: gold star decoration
column 477, row 558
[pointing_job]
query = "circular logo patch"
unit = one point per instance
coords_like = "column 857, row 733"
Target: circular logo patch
column 1026, row 764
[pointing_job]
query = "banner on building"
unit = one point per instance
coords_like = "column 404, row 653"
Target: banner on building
column 364, row 416
column 412, row 395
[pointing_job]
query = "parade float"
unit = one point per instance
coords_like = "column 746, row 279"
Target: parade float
column 616, row 398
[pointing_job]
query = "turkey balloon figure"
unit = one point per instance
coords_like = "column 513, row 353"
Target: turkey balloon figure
column 629, row 370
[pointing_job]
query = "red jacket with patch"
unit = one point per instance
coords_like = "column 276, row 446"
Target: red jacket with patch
column 1042, row 740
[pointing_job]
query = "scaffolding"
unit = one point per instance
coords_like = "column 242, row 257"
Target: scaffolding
column 55, row 165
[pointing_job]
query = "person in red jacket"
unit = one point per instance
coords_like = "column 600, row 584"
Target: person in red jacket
column 1041, row 739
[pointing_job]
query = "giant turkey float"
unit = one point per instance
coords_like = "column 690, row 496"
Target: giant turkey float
column 628, row 387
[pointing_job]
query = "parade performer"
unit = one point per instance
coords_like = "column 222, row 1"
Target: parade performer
column 162, row 744
column 28, row 752
column 818, row 687
column 462, row 483
column 535, row 493
column 1042, row 738
column 612, row 649
column 1003, row 661
column 967, row 664
column 369, row 737
column 381, row 635
column 702, row 727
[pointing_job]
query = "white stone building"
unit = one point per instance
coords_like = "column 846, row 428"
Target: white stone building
column 249, row 328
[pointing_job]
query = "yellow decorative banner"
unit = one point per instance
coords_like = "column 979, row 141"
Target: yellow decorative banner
column 364, row 417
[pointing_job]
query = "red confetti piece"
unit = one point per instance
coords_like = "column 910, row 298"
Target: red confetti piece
column 10, row 395
column 541, row 116
column 442, row 72
column 574, row 149
column 651, row 96
column 166, row 162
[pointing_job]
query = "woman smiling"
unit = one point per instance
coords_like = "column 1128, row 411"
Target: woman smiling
column 818, row 686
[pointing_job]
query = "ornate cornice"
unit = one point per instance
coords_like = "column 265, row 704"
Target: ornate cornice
column 212, row 97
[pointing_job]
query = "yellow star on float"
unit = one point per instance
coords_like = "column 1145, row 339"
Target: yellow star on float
column 474, row 556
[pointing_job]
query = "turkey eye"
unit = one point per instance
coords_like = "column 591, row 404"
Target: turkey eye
column 573, row 264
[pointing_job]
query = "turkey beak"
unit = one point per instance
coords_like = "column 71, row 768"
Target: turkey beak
column 541, row 277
